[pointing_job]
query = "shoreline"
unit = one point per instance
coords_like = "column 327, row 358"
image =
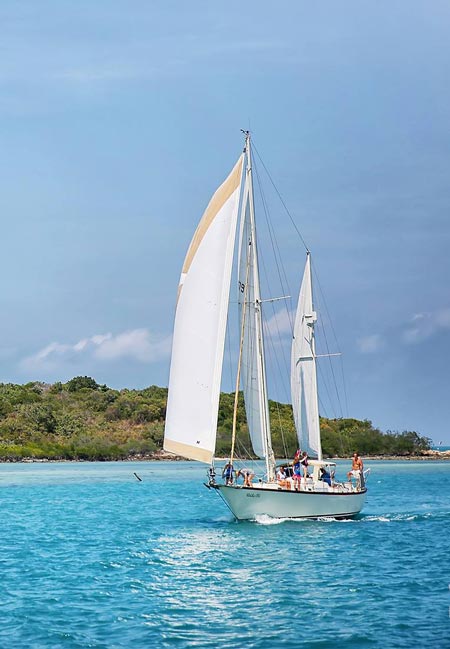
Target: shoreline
column 162, row 456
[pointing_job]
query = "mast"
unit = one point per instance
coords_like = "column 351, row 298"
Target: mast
column 305, row 403
column 238, row 373
column 257, row 314
column 313, row 350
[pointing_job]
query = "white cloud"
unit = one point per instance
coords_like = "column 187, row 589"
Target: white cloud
column 280, row 323
column 137, row 344
column 425, row 325
column 370, row 344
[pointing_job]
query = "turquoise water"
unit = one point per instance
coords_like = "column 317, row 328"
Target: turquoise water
column 90, row 557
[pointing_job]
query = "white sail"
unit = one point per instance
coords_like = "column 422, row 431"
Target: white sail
column 200, row 324
column 252, row 365
column 303, row 370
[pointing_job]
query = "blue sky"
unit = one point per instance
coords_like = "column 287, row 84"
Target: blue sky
column 118, row 121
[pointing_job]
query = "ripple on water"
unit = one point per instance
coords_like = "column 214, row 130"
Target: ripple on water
column 91, row 557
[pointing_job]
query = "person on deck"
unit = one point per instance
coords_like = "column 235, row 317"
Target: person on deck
column 357, row 468
column 227, row 473
column 247, row 474
column 325, row 476
column 297, row 473
column 304, row 465
column 281, row 478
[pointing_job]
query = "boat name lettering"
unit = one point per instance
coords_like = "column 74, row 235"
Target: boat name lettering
column 253, row 495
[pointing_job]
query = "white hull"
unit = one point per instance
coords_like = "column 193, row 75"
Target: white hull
column 247, row 503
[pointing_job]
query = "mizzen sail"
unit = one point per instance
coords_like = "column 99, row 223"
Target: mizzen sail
column 303, row 370
column 200, row 325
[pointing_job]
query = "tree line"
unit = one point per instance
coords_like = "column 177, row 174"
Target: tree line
column 82, row 420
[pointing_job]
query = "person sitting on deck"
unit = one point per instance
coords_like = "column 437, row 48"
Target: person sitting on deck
column 227, row 473
column 325, row 476
column 282, row 478
column 247, row 474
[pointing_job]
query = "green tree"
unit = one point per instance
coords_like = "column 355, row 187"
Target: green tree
column 82, row 382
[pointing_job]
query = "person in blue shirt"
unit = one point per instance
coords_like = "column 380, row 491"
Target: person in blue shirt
column 297, row 473
column 325, row 476
column 227, row 473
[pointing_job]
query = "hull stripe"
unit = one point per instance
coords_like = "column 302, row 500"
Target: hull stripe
column 288, row 491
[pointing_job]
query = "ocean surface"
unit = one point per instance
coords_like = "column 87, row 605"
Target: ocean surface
column 91, row 557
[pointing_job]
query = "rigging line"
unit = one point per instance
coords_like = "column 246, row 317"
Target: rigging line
column 275, row 247
column 326, row 341
column 280, row 197
column 261, row 381
column 246, row 376
column 324, row 382
column 332, row 369
column 322, row 407
column 283, row 437
column 344, row 387
column 284, row 283
column 277, row 256
column 273, row 308
column 332, row 372
column 323, row 332
column 307, row 249
column 245, row 455
column 282, row 371
column 277, row 374
column 271, row 350
column 266, row 274
column 275, row 362
column 322, row 294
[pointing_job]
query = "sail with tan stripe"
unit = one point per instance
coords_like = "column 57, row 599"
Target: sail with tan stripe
column 200, row 326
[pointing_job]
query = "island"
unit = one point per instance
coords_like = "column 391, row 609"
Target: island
column 83, row 420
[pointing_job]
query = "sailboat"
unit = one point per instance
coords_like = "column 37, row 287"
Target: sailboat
column 197, row 360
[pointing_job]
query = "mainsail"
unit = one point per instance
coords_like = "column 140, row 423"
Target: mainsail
column 303, row 370
column 252, row 364
column 200, row 325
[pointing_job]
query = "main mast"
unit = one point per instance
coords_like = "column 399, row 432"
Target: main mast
column 257, row 306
